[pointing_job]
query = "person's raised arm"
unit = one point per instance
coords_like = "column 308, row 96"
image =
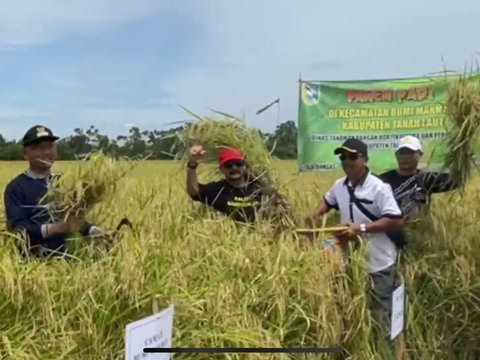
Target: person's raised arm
column 196, row 153
column 439, row 182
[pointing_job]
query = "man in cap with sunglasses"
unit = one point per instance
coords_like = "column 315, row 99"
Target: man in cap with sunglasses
column 25, row 213
column 413, row 188
column 235, row 195
column 368, row 208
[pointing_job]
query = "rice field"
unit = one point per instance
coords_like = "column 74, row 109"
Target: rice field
column 234, row 287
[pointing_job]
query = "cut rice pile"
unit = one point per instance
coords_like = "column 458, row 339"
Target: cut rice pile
column 463, row 123
column 78, row 190
column 214, row 134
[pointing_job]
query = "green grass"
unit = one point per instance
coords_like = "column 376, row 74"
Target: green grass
column 233, row 286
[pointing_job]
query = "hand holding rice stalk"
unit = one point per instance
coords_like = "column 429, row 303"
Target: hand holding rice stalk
column 213, row 135
column 463, row 115
column 76, row 192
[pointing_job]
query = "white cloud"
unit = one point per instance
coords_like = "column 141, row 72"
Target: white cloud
column 8, row 112
column 254, row 50
column 266, row 44
column 14, row 121
column 112, row 121
column 25, row 22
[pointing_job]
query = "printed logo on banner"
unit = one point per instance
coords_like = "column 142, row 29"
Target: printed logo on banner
column 310, row 94
column 380, row 112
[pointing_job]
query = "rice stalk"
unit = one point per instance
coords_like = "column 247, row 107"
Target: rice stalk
column 462, row 126
column 80, row 188
column 216, row 134
column 235, row 288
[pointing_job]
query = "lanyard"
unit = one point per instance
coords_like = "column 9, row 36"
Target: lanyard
column 351, row 191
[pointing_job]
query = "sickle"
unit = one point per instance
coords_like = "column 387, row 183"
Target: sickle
column 124, row 222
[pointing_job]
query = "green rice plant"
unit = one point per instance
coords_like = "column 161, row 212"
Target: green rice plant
column 462, row 125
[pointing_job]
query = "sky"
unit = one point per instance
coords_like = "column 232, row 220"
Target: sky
column 114, row 63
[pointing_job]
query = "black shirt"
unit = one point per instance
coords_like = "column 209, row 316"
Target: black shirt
column 413, row 192
column 239, row 203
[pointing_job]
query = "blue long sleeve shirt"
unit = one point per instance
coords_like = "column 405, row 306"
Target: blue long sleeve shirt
column 23, row 211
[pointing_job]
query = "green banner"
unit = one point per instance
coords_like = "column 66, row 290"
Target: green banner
column 379, row 112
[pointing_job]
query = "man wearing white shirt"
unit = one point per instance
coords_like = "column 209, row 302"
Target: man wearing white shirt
column 369, row 210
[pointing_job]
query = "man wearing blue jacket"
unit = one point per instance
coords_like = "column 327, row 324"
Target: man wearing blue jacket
column 45, row 235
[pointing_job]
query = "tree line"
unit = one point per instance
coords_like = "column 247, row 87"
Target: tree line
column 156, row 144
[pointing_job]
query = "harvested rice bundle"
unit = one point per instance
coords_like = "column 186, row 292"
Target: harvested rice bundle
column 214, row 134
column 463, row 123
column 79, row 189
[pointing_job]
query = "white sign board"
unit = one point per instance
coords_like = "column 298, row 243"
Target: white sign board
column 154, row 331
column 398, row 311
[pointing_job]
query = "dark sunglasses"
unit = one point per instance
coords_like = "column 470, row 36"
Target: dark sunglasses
column 231, row 164
column 406, row 151
column 352, row 157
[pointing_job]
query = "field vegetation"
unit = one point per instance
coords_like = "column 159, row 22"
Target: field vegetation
column 233, row 286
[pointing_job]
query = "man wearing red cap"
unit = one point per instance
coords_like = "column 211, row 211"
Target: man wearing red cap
column 236, row 195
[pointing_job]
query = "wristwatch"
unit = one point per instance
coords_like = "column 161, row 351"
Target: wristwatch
column 363, row 228
column 192, row 164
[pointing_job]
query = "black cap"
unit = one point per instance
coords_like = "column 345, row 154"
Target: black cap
column 38, row 133
column 353, row 146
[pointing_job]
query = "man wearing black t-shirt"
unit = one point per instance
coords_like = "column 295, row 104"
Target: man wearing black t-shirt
column 235, row 195
column 412, row 188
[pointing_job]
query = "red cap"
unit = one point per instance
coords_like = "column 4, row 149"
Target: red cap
column 228, row 154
